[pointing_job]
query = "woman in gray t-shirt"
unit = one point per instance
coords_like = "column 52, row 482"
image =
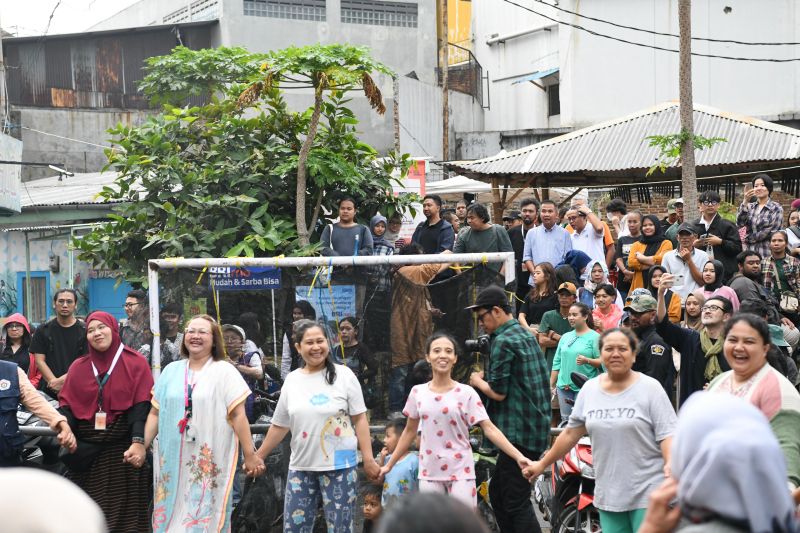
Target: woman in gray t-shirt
column 631, row 422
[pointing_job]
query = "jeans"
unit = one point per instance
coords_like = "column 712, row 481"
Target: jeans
column 510, row 494
column 397, row 387
column 566, row 408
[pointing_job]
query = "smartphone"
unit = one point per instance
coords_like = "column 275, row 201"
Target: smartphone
column 677, row 280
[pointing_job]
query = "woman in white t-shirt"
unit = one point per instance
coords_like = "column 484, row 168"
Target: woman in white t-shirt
column 322, row 405
column 631, row 421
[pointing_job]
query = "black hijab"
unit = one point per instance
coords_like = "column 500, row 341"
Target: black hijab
column 719, row 270
column 652, row 242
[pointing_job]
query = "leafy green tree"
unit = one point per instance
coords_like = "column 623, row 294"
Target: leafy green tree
column 219, row 179
column 332, row 71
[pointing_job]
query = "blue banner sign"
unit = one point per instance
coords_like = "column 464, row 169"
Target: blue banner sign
column 244, row 279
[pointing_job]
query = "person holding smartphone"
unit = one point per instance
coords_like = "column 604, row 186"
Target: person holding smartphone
column 759, row 214
column 718, row 237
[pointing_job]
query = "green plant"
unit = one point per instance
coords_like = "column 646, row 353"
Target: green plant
column 669, row 147
column 220, row 179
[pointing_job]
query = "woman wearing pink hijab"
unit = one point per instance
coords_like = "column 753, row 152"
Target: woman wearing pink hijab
column 106, row 399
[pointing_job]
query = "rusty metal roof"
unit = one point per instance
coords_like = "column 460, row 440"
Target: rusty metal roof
column 621, row 144
column 80, row 189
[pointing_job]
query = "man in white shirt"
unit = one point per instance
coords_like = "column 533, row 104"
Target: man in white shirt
column 687, row 261
column 588, row 233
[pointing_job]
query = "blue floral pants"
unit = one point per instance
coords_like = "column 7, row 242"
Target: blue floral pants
column 303, row 490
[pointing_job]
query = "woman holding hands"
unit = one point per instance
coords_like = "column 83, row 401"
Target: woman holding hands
column 105, row 398
column 631, row 421
column 322, row 405
column 198, row 414
column 447, row 409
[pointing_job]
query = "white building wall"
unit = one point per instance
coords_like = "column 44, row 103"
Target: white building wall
column 421, row 118
column 522, row 105
column 602, row 79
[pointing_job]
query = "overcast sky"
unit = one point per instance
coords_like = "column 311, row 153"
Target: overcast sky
column 29, row 17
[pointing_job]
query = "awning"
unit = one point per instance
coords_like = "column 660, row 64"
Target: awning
column 536, row 75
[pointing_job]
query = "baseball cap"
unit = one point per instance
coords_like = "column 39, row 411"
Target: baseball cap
column 641, row 303
column 671, row 207
column 686, row 228
column 513, row 215
column 490, row 297
column 569, row 287
column 776, row 336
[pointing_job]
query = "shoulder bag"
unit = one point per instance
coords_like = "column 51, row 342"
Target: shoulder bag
column 789, row 302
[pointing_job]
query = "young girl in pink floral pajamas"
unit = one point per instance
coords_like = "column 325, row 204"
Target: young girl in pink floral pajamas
column 444, row 410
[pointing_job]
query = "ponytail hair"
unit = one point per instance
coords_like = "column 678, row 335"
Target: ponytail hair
column 585, row 311
column 301, row 327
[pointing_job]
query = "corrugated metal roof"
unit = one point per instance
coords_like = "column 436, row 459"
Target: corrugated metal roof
column 80, row 189
column 621, row 144
column 95, row 69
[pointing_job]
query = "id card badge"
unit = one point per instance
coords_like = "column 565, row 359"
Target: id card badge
column 189, row 434
column 100, row 421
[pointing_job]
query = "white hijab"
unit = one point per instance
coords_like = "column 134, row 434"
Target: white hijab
column 730, row 466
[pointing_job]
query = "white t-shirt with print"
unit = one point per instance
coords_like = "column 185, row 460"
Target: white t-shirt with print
column 318, row 415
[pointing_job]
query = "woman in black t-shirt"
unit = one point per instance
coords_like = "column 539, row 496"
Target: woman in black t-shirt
column 541, row 299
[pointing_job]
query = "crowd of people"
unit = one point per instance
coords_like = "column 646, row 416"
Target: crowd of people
column 687, row 332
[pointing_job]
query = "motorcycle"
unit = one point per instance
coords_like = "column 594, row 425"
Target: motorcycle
column 565, row 493
column 39, row 451
column 485, row 461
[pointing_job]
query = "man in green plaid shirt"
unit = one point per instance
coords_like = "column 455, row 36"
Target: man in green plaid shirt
column 519, row 404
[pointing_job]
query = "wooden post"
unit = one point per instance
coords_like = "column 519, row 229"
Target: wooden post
column 688, row 170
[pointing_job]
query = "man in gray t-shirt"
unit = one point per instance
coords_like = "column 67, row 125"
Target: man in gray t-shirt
column 627, row 429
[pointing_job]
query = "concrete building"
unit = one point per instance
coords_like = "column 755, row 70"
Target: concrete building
column 547, row 76
column 35, row 245
column 77, row 86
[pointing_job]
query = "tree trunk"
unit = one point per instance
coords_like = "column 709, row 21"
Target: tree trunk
column 445, row 99
column 688, row 173
column 396, row 112
column 300, row 196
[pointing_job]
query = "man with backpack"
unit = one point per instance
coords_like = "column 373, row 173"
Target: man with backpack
column 58, row 342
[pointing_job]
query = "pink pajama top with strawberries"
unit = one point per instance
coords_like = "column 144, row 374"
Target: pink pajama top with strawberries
column 445, row 418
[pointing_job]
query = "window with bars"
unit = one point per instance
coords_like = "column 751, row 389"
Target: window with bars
column 286, row 9
column 379, row 13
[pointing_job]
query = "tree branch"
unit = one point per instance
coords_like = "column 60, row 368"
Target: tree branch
column 317, row 207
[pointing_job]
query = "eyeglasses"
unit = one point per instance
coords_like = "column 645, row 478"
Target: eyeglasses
column 14, row 326
column 198, row 332
column 482, row 315
column 126, row 306
column 711, row 308
column 710, row 202
column 65, row 302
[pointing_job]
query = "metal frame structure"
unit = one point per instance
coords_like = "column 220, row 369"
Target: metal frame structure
column 507, row 258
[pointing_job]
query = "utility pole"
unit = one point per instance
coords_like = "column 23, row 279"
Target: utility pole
column 3, row 101
column 445, row 103
column 688, row 170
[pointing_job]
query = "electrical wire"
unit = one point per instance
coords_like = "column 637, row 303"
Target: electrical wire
column 653, row 32
column 650, row 46
column 64, row 138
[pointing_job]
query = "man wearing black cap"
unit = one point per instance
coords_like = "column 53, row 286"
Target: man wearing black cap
column 519, row 404
column 654, row 356
column 717, row 236
column 686, row 261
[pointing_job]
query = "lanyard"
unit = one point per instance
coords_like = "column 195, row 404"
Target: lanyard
column 188, row 389
column 101, row 383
